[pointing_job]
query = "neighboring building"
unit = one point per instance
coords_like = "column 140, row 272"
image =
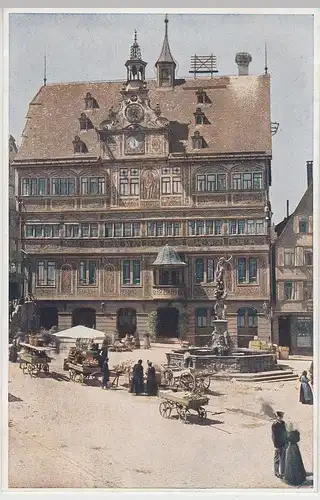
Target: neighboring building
column 14, row 228
column 293, row 303
column 111, row 172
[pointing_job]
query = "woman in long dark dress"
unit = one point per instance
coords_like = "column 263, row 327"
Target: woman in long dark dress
column 294, row 471
column 306, row 396
column 137, row 378
column 152, row 386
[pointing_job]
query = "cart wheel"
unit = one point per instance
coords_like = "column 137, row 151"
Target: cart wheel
column 165, row 409
column 206, row 382
column 46, row 368
column 183, row 413
column 32, row 370
column 81, row 378
column 202, row 413
column 187, row 382
column 72, row 375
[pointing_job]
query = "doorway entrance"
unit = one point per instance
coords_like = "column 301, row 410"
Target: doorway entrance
column 84, row 316
column 48, row 317
column 168, row 322
column 126, row 321
column 247, row 326
column 284, row 331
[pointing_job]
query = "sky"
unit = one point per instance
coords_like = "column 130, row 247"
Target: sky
column 94, row 47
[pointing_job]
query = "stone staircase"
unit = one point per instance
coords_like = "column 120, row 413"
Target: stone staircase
column 282, row 374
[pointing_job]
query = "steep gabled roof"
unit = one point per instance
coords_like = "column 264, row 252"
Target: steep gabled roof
column 304, row 205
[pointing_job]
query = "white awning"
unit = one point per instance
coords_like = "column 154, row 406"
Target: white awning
column 80, row 332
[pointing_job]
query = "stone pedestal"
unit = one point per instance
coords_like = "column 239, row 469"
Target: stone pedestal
column 220, row 338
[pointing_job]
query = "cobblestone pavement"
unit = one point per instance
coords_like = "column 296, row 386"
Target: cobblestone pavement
column 66, row 435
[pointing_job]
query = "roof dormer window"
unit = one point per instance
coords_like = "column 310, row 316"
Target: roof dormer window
column 202, row 97
column 199, row 117
column 79, row 146
column 197, row 141
column 85, row 122
column 90, row 101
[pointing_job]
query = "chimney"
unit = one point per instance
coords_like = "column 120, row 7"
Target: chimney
column 243, row 59
column 288, row 209
column 309, row 172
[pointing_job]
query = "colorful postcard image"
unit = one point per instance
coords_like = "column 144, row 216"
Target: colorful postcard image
column 161, row 270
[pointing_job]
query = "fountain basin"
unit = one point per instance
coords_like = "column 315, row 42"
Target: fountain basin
column 238, row 361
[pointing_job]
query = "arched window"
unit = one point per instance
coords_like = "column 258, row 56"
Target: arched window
column 85, row 122
column 247, row 325
column 79, row 146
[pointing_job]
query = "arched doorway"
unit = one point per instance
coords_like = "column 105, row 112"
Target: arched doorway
column 168, row 322
column 247, row 325
column 126, row 321
column 48, row 317
column 84, row 316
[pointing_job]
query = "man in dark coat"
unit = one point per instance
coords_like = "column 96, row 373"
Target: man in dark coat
column 279, row 439
column 137, row 378
column 105, row 374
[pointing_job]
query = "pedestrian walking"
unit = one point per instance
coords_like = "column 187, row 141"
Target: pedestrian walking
column 306, row 396
column 152, row 386
column 137, row 378
column 146, row 341
column 279, row 439
column 294, row 472
column 105, row 374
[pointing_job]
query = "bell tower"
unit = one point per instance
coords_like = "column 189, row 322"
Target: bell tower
column 136, row 67
column 165, row 65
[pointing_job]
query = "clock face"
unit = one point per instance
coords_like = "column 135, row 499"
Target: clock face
column 134, row 113
column 134, row 144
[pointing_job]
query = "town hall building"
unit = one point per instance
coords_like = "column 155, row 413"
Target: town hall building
column 132, row 190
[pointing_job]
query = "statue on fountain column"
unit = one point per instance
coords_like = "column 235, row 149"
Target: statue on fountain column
column 220, row 291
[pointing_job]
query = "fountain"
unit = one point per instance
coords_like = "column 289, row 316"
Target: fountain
column 220, row 356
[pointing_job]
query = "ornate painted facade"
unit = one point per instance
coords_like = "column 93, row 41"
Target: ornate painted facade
column 111, row 172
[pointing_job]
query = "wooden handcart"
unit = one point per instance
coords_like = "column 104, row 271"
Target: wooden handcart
column 83, row 373
column 187, row 380
column 33, row 359
column 182, row 403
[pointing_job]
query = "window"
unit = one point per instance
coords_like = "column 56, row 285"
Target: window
column 289, row 290
column 131, row 272
column 108, row 230
column 88, row 272
column 34, row 187
column 72, row 230
column 171, row 180
column 236, row 227
column 303, row 225
column 79, row 146
column 92, row 185
column 308, row 257
column 211, row 182
column 160, row 228
column 85, row 122
column 202, row 317
column 46, row 273
column 197, row 141
column 247, row 181
column 251, row 227
column 247, row 270
column 89, row 230
column 170, row 277
column 42, row 231
column 247, row 227
column 201, row 97
column 63, row 186
column 202, row 227
column 90, row 102
column 199, row 117
column 308, row 290
column 129, row 182
column 288, row 256
column 204, row 270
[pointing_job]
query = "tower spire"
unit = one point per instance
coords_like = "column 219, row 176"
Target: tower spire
column 165, row 64
column 135, row 51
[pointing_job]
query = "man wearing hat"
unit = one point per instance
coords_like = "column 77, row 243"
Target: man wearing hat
column 279, row 439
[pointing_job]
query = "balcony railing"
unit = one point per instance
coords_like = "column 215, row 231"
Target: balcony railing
column 168, row 292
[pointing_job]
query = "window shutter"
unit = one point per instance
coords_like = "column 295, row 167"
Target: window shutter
column 310, row 229
column 280, row 253
column 299, row 256
column 296, row 224
column 299, row 290
column 281, row 290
